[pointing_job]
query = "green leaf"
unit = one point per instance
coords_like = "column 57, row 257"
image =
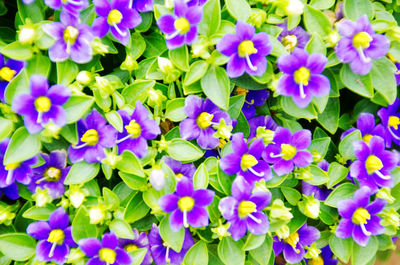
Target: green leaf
column 336, row 173
column 132, row 181
column 180, row 57
column 215, row 84
column 39, row 213
column 359, row 84
column 316, row 21
column 359, row 256
column 81, row 226
column 137, row 91
column 320, row 145
column 136, row 209
column 353, row 9
column 291, row 195
column 82, row 172
column 292, row 109
column 122, row 229
column 138, row 255
column 197, row 254
column 175, row 110
column 346, row 149
column 230, row 252
column 17, row 86
column 77, row 106
column 33, row 12
column 183, row 150
column 253, row 242
column 22, row 146
column 196, row 71
column 263, row 253
column 383, row 79
column 17, row 51
column 174, row 239
column 66, row 72
column 115, row 120
column 319, row 176
column 39, row 65
column 17, row 246
column 200, row 178
column 342, row 248
column 6, row 128
column 137, row 45
column 316, row 45
column 235, row 105
column 111, row 200
column 211, row 19
column 130, row 164
column 343, row 192
column 322, row 4
column 238, row 9
column 329, row 119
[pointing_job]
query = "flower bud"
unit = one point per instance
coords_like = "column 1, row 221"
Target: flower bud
column 332, row 39
column 42, row 197
column 221, row 231
column 309, row 206
column 384, row 193
column 279, row 211
column 76, row 195
column 265, row 134
column 294, row 8
column 168, row 70
column 111, row 159
column 104, row 86
column 223, row 131
column 26, row 35
column 51, row 131
column 303, row 173
column 312, row 252
column 390, row 218
column 261, row 186
column 7, row 213
column 157, row 178
column 99, row 47
column 283, row 232
column 129, row 64
column 201, row 48
column 155, row 97
column 84, row 78
column 169, row 4
column 97, row 215
column 162, row 145
column 257, row 17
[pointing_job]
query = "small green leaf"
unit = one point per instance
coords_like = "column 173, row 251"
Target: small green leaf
column 230, row 252
column 130, row 164
column 262, row 254
column 359, row 256
column 346, row 149
column 316, row 21
column 354, row 9
column 329, row 119
column 183, row 150
column 136, row 209
column 336, row 173
column 174, row 239
column 383, row 79
column 291, row 195
column 360, row 84
column 253, row 242
column 22, row 146
column 235, row 105
column 115, row 120
column 122, row 229
column 292, row 109
column 39, row 65
column 197, row 254
column 66, row 72
column 238, row 9
column 175, row 110
column 81, row 226
column 6, row 128
column 17, row 246
column 77, row 106
column 211, row 19
column 342, row 248
column 17, row 51
column 343, row 192
column 319, row 176
column 196, row 71
column 180, row 57
column 216, row 85
column 39, row 213
column 18, row 85
column 137, row 91
column 200, row 178
column 82, row 172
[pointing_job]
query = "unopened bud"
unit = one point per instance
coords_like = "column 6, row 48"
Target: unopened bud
column 294, row 8
column 257, row 17
column 279, row 211
column 283, row 232
column 312, row 252
column 157, row 179
column 310, row 206
column 26, row 35
column 42, row 197
column 385, row 194
column 265, row 134
column 97, row 215
column 129, row 64
column 84, row 78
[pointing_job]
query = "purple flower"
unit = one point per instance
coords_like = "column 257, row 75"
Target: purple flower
column 201, row 116
column 397, row 73
column 243, row 210
column 10, row 173
column 253, row 98
column 43, row 105
column 360, row 218
column 360, row 44
column 265, row 122
column 293, row 245
column 187, row 205
column 180, row 170
column 181, row 27
column 94, row 135
column 245, row 161
column 138, row 129
column 196, row 2
column 105, row 252
column 8, row 70
column 325, row 258
column 390, row 118
column 287, row 150
column 55, row 237
column 247, row 50
column 162, row 253
column 10, row 191
column 51, row 174
column 366, row 125
column 116, row 17
column 28, row 2
column 320, row 192
column 374, row 164
column 141, row 5
column 71, row 6
column 140, row 241
column 296, row 37
column 302, row 77
column 72, row 40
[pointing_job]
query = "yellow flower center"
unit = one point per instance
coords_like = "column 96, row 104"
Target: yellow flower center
column 114, row 17
column 293, row 239
column 178, row 175
column 70, row 34
column 360, row 216
column 394, row 122
column 133, row 129
column 42, row 104
column 317, row 261
column 373, row 164
column 241, row 91
column 288, row 151
column 247, row 161
column 107, row 255
column 289, row 42
column 204, row 120
column 246, row 47
column 52, row 174
column 362, row 40
column 6, row 74
column 302, row 76
column 130, row 247
column 367, row 138
column 56, row 236
column 12, row 166
column 90, row 136
column 186, row 204
column 245, row 208
column 182, row 25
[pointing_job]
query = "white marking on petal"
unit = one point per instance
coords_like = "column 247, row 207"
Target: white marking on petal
column 393, row 134
column 362, row 55
column 256, row 173
column 382, row 176
column 123, row 34
column 364, row 230
column 255, row 219
column 248, row 61
column 9, row 176
column 302, row 94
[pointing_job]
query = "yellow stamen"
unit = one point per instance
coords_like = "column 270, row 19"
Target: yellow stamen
column 178, row 175
column 360, row 216
column 247, row 161
column 394, row 122
column 186, row 204
column 130, row 247
column 134, row 129
column 204, row 120
column 182, row 25
column 7, row 74
column 114, row 17
column 362, row 40
column 56, row 236
column 293, row 239
column 222, row 143
column 367, row 138
column 42, row 104
column 107, row 255
column 12, row 166
column 317, row 261
column 241, row 91
column 288, row 151
column 245, row 208
column 91, row 137
column 372, row 164
column 289, row 42
column 302, row 76
column 52, row 174
column 70, row 35
column 246, row 47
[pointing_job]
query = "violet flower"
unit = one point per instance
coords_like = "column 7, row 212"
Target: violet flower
column 360, row 219
column 397, row 73
column 287, row 150
column 247, row 50
column 180, row 170
column 201, row 116
column 187, row 205
column 390, row 118
column 293, row 245
column 180, row 28
column 319, row 192
column 246, row 161
column 196, row 2
column 42, row 105
column 72, row 40
column 296, row 37
column 116, row 17
column 162, row 253
column 360, row 44
column 374, row 164
column 94, row 135
column 138, row 129
column 71, row 6
column 8, row 70
column 326, row 257
column 105, row 252
column 140, row 241
column 261, row 121
column 253, row 98
column 51, row 174
column 10, row 192
column 141, row 5
column 366, row 125
column 243, row 210
column 302, row 77
column 55, row 237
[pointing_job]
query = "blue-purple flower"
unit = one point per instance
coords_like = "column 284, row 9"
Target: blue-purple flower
column 360, row 219
column 72, row 40
column 105, row 252
column 243, row 210
column 141, row 5
column 247, row 50
column 253, row 98
column 359, row 44
column 296, row 37
column 10, row 192
column 319, row 192
column 181, row 28
column 55, row 237
column 246, row 160
column 94, row 135
column 116, row 17
column 187, row 206
column 390, row 118
column 287, row 150
column 43, row 105
column 302, row 78
column 51, row 174
column 180, row 170
column 326, row 257
column 141, row 241
column 265, row 122
column 366, row 125
column 138, row 128
column 71, row 6
column 202, row 115
column 8, row 70
column 397, row 73
column 374, row 164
